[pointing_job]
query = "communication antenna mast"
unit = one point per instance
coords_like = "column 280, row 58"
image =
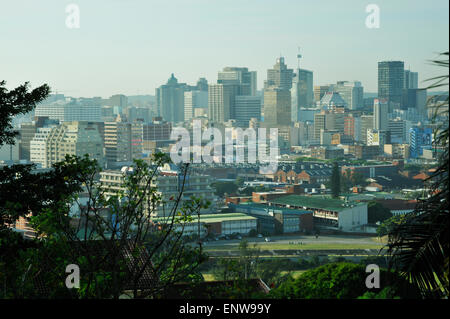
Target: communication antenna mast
column 299, row 56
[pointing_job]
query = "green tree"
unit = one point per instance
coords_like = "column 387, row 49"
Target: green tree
column 339, row 281
column 225, row 187
column 376, row 212
column 419, row 245
column 17, row 101
column 335, row 180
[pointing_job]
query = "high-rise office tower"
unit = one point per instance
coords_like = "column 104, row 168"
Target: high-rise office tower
column 380, row 114
column 202, row 85
column 391, row 77
column 302, row 93
column 170, row 100
column 242, row 76
column 194, row 100
column 221, row 101
column 246, row 108
column 277, row 107
column 277, row 98
column 231, row 82
column 280, row 76
column 411, row 80
column 319, row 123
column 397, row 128
column 118, row 143
column 351, row 92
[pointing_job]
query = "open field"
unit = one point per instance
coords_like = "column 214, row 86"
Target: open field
column 301, row 243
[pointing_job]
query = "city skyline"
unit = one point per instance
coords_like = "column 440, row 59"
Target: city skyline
column 155, row 39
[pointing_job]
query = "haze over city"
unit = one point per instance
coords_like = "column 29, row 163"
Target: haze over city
column 272, row 150
column 132, row 47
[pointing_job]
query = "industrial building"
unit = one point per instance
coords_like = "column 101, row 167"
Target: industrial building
column 328, row 213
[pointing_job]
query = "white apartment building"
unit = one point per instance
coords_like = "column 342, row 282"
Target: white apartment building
column 70, row 138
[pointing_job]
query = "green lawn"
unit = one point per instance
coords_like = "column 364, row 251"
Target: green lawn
column 314, row 246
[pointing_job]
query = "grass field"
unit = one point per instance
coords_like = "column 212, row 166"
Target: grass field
column 314, row 246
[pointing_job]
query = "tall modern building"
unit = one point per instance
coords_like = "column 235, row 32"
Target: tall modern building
column 280, row 76
column 302, row 93
column 391, row 78
column 121, row 143
column 411, row 80
column 194, row 100
column 221, row 101
column 416, row 99
column 277, row 99
column 420, row 138
column 397, row 128
column 246, row 108
column 351, row 92
column 242, row 76
column 380, row 114
column 170, row 100
column 277, row 107
column 231, row 82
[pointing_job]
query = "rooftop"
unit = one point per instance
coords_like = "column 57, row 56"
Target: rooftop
column 320, row 202
column 214, row 218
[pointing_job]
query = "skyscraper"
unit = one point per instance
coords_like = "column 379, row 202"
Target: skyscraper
column 246, row 108
column 277, row 107
column 242, row 76
column 302, row 93
column 411, row 80
column 391, row 77
column 194, row 100
column 170, row 100
column 277, row 96
column 380, row 114
column 280, row 76
column 221, row 101
column 231, row 82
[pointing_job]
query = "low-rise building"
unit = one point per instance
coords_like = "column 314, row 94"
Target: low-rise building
column 328, row 213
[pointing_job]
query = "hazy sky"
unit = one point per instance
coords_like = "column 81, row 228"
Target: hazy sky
column 132, row 46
